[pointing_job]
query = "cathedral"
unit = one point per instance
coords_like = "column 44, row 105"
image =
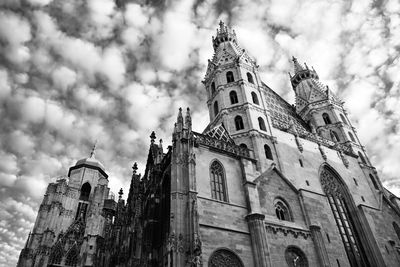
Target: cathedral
column 266, row 184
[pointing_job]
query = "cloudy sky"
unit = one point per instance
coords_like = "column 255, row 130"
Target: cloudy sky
column 76, row 71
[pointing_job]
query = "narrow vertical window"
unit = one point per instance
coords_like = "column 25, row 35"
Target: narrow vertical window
column 233, row 97
column 334, row 136
column 343, row 119
column 301, row 163
column 216, row 108
column 239, row 123
column 250, row 78
column 361, row 157
column 355, row 181
column 261, row 124
column 212, row 88
column 218, row 190
column 396, row 229
column 229, row 77
column 351, row 137
column 254, row 98
column 373, row 181
column 268, row 152
column 282, row 211
column 326, row 118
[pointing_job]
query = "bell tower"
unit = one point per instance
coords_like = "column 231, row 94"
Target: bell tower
column 317, row 105
column 235, row 95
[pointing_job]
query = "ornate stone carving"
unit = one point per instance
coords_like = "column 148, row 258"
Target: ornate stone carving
column 285, row 230
column 322, row 151
column 224, row 258
column 330, row 184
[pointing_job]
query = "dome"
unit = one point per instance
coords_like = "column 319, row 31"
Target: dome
column 92, row 161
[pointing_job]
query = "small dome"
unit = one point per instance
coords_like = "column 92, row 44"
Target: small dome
column 92, row 161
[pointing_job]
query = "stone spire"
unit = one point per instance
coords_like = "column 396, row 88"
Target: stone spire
column 224, row 34
column 297, row 67
column 188, row 120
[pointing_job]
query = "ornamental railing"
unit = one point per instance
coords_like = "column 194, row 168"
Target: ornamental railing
column 220, row 144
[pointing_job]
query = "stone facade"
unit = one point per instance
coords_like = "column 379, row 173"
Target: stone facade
column 265, row 184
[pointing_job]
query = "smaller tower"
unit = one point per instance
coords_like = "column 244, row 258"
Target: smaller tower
column 323, row 110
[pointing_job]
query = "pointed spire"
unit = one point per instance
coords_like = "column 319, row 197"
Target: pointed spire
column 152, row 137
column 224, row 34
column 160, row 147
column 188, row 119
column 297, row 66
column 93, row 152
column 134, row 168
column 120, row 193
column 180, row 117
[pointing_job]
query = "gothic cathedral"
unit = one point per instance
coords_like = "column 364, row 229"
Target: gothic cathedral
column 265, row 184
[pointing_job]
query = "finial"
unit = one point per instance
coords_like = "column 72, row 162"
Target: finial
column 221, row 25
column 93, row 152
column 120, row 193
column 152, row 137
column 305, row 64
column 297, row 66
column 180, row 118
column 134, row 168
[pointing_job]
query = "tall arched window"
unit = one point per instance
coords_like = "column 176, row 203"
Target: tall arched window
column 218, row 190
column 334, row 136
column 224, row 258
column 361, row 157
column 85, row 191
column 373, row 181
column 261, row 124
column 250, row 78
column 352, row 137
column 239, row 123
column 340, row 201
column 343, row 119
column 216, row 108
column 233, row 97
column 56, row 254
column 229, row 77
column 254, row 98
column 72, row 257
column 396, row 229
column 326, row 118
column 268, row 152
column 212, row 88
column 282, row 210
column 295, row 257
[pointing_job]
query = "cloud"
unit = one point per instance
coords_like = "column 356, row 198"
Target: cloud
column 76, row 71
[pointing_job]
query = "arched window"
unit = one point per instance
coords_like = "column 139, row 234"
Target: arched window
column 261, row 124
column 216, row 108
column 352, row 137
column 250, row 78
column 268, row 152
column 341, row 204
column 72, row 257
column 56, row 254
column 361, row 157
column 224, row 258
column 85, row 191
column 233, row 97
column 212, row 88
column 295, row 257
column 334, row 136
column 396, row 229
column 254, row 98
column 239, row 123
column 218, row 190
column 373, row 181
column 343, row 119
column 229, row 77
column 326, row 118
column 244, row 146
column 282, row 211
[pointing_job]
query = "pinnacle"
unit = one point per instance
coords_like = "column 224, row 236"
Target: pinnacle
column 297, row 66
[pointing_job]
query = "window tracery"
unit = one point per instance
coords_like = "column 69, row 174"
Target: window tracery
column 268, row 152
column 326, row 118
column 224, row 258
column 233, row 97
column 295, row 257
column 218, row 190
column 261, row 124
column 254, row 98
column 250, row 78
column 282, row 211
column 239, row 123
column 229, row 77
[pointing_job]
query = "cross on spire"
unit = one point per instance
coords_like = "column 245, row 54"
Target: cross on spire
column 93, row 152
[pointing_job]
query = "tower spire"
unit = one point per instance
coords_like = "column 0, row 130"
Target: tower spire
column 93, row 152
column 297, row 66
column 224, row 34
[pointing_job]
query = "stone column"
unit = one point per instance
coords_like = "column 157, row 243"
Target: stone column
column 319, row 245
column 258, row 236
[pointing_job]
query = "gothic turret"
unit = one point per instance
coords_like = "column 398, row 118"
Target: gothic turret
column 224, row 34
